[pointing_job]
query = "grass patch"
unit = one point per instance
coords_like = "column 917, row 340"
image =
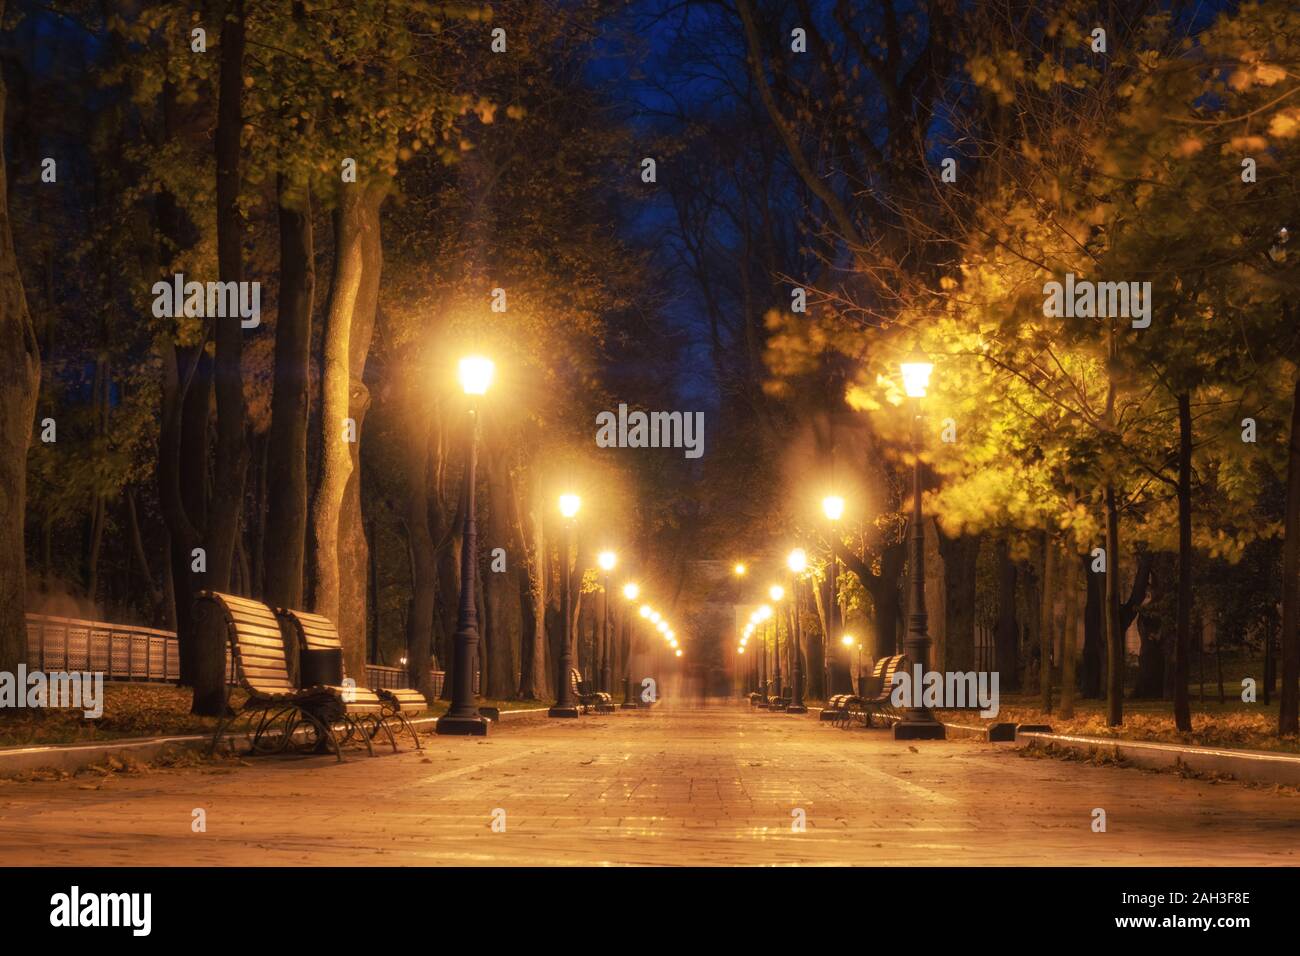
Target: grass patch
column 1232, row 724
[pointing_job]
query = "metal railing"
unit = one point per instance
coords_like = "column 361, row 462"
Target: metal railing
column 126, row 652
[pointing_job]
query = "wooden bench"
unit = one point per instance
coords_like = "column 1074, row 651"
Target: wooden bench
column 315, row 632
column 783, row 701
column 588, row 698
column 875, row 698
column 280, row 709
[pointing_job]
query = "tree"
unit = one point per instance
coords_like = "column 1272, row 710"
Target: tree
column 20, row 372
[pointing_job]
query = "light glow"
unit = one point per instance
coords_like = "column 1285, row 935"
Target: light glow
column 833, row 507
column 916, row 378
column 569, row 505
column 476, row 374
column 797, row 561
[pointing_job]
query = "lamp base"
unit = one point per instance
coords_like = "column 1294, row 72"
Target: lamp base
column 918, row 730
column 476, row 726
column 558, row 711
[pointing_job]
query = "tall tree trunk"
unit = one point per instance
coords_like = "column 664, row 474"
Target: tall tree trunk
column 286, row 506
column 1114, row 625
column 501, row 596
column 337, row 430
column 533, row 675
column 1094, row 646
column 960, row 558
column 1069, row 642
column 20, row 378
column 1046, row 622
column 424, row 569
column 232, row 447
column 1183, row 646
column 1006, row 639
column 354, row 550
column 1288, row 715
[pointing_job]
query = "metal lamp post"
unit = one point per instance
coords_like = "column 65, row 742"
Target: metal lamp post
column 607, row 560
column 798, row 563
column 630, row 591
column 462, row 717
column 833, row 508
column 565, row 705
column 917, row 722
column 776, row 592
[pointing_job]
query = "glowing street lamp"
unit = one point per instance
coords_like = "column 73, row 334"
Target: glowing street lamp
column 916, row 376
column 739, row 570
column 833, row 507
column 776, row 593
column 917, row 722
column 462, row 717
column 565, row 705
column 646, row 611
column 476, row 374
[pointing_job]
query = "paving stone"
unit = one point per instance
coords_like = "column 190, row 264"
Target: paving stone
column 672, row 786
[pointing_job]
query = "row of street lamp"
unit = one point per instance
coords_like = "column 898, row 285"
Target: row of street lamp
column 476, row 374
column 463, row 718
column 917, row 722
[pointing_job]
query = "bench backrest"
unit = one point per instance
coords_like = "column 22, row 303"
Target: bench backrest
column 313, row 632
column 255, row 642
column 575, row 680
column 892, row 666
column 881, row 682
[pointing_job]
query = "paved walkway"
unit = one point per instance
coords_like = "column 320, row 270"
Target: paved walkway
column 691, row 786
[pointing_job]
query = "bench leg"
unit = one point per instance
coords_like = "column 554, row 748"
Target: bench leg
column 410, row 729
column 381, row 723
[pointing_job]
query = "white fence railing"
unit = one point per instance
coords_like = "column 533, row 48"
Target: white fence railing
column 130, row 653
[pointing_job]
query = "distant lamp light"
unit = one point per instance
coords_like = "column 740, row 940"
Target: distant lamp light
column 663, row 627
column 569, row 505
column 916, row 376
column 833, row 507
column 476, row 374
column 847, row 640
column 740, row 569
column 679, row 653
column 797, row 561
column 775, row 592
column 607, row 560
column 631, row 591
column 740, row 649
column 646, row 610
